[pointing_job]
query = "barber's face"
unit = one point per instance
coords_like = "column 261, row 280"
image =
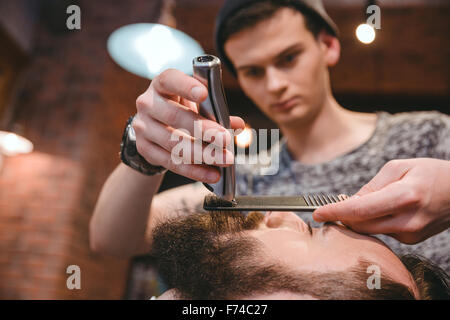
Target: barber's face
column 287, row 239
column 282, row 68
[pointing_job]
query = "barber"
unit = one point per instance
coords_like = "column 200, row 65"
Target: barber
column 282, row 63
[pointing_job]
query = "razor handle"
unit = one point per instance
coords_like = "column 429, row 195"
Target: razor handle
column 207, row 69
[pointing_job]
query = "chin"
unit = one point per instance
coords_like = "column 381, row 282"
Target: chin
column 296, row 115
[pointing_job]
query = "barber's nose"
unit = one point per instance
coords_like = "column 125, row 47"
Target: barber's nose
column 275, row 80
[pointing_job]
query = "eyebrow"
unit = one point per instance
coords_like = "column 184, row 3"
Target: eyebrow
column 327, row 225
column 295, row 46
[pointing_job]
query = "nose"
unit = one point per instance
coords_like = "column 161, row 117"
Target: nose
column 276, row 80
column 285, row 219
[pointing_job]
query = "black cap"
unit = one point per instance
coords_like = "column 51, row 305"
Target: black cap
column 230, row 7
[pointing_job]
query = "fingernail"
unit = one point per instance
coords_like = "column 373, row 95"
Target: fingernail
column 196, row 93
column 317, row 217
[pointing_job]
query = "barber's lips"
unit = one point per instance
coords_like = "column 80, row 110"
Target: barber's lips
column 286, row 105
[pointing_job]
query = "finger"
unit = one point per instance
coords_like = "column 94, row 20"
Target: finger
column 392, row 171
column 383, row 225
column 156, row 155
column 180, row 144
column 237, row 123
column 179, row 116
column 373, row 205
column 407, row 227
column 173, row 82
column 191, row 105
column 408, row 238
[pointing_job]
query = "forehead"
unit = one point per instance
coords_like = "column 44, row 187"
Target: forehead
column 265, row 40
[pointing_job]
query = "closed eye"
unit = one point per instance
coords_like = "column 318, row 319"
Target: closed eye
column 309, row 228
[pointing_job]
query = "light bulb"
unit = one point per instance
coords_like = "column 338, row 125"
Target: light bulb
column 365, row 33
column 244, row 139
column 12, row 144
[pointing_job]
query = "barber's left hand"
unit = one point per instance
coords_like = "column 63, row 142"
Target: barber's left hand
column 408, row 200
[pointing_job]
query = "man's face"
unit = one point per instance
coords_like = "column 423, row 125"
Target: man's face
column 287, row 239
column 242, row 251
column 281, row 67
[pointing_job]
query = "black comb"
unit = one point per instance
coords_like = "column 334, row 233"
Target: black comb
column 271, row 203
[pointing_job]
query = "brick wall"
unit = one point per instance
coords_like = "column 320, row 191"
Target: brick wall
column 73, row 106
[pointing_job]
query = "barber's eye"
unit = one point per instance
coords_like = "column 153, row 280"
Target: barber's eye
column 290, row 58
column 253, row 72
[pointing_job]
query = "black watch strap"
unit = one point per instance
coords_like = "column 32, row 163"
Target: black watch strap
column 131, row 157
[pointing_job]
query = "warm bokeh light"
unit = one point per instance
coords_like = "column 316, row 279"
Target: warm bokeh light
column 11, row 144
column 365, row 33
column 244, row 139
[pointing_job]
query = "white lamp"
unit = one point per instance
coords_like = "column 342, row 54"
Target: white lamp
column 147, row 49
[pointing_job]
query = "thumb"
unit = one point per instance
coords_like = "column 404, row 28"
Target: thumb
column 237, row 122
column 392, row 171
column 334, row 211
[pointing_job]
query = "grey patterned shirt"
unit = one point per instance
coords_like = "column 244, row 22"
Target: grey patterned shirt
column 398, row 136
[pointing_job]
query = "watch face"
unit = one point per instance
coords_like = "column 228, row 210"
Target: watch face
column 131, row 134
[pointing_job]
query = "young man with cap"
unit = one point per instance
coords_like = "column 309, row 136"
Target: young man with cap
column 280, row 52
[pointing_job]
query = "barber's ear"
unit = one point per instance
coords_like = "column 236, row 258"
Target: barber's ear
column 331, row 48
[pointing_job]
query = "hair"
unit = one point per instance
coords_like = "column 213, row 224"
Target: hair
column 431, row 280
column 258, row 11
column 209, row 256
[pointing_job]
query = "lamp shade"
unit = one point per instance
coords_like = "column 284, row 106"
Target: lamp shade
column 147, row 49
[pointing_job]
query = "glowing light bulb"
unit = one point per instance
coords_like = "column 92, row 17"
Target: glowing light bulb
column 365, row 33
column 12, row 144
column 244, row 139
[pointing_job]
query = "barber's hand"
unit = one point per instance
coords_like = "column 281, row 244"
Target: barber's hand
column 408, row 200
column 170, row 106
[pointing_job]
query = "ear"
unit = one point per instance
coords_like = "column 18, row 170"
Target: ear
column 331, row 48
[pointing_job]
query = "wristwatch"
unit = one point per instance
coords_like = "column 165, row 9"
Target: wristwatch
column 131, row 157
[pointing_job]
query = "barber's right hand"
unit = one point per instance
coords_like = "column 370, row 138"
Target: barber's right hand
column 169, row 108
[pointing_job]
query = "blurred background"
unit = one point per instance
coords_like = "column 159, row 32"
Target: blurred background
column 61, row 90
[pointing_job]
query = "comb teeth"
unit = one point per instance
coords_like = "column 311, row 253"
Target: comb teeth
column 317, row 200
column 271, row 203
